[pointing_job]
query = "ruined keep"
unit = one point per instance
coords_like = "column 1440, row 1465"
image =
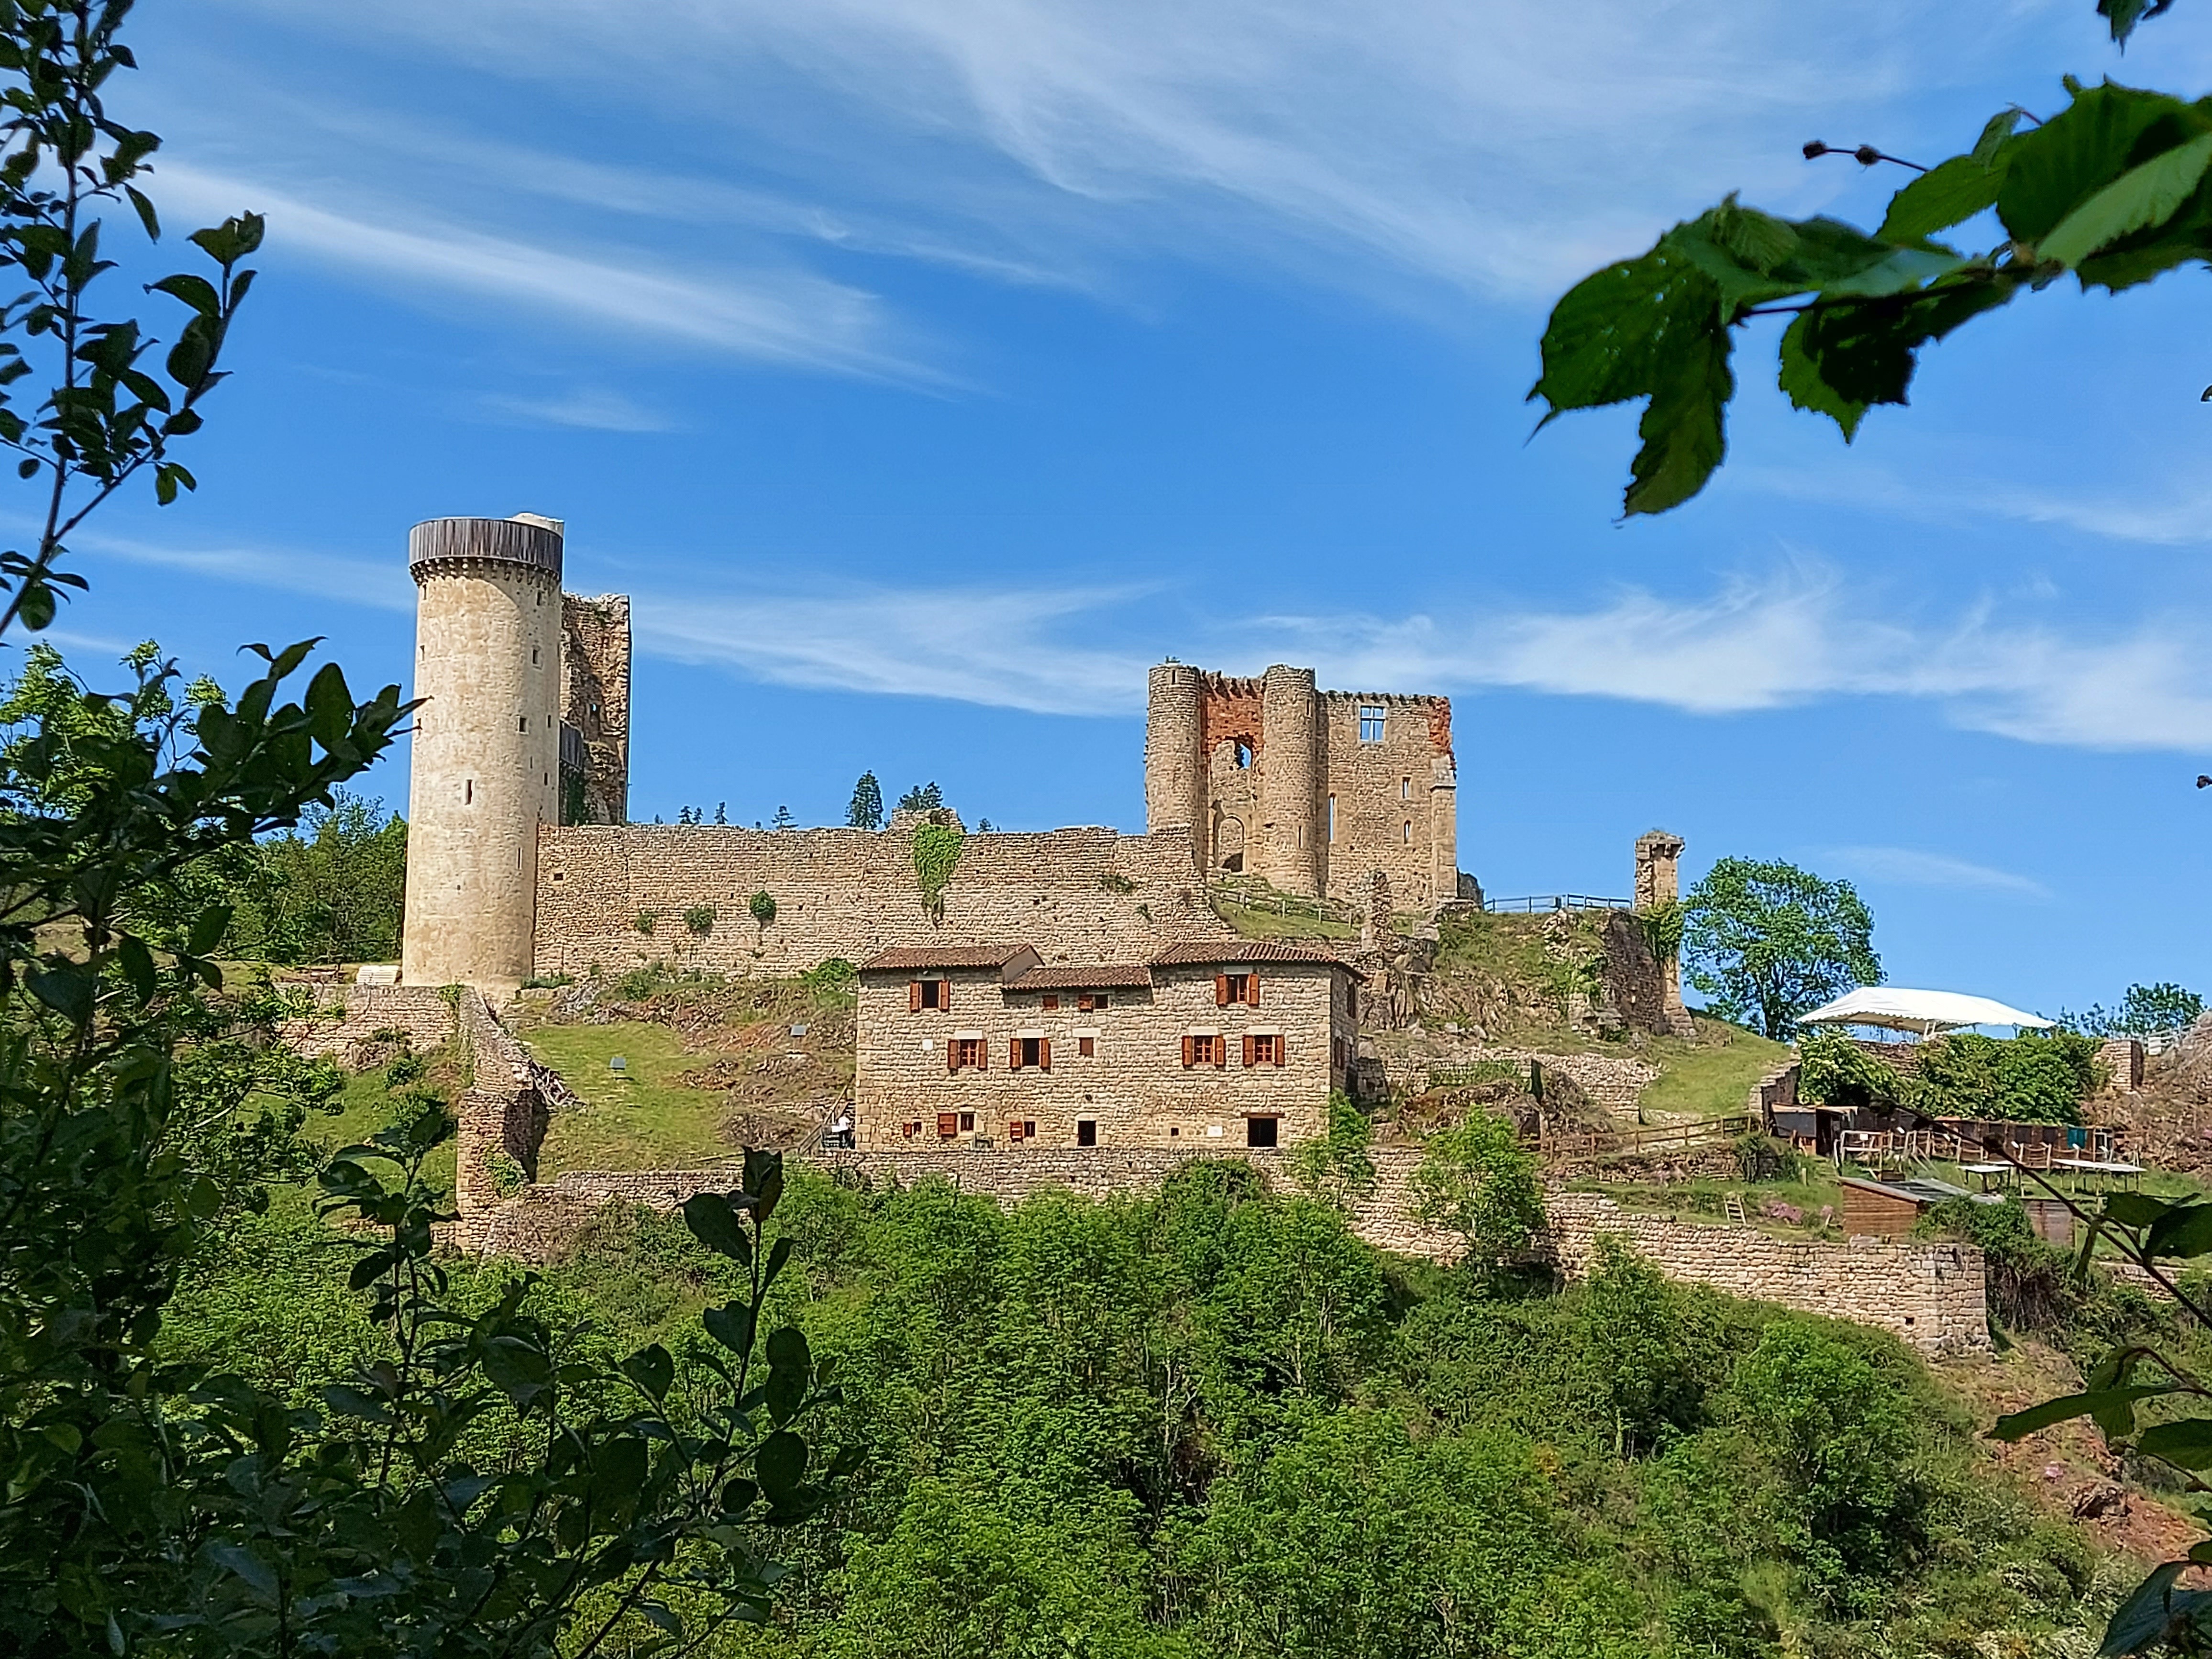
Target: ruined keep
column 1312, row 790
column 524, row 722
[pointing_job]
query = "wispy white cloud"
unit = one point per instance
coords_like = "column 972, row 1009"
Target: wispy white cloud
column 1005, row 649
column 1503, row 147
column 780, row 316
column 1796, row 637
column 590, row 408
column 1907, row 867
column 289, row 569
column 2168, row 511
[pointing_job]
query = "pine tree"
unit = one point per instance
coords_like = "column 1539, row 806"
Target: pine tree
column 721, row 811
column 866, row 812
column 783, row 820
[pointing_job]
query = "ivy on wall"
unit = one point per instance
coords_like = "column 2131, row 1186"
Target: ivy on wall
column 936, row 853
column 1662, row 925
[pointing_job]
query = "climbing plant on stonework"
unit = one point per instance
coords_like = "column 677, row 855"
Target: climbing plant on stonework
column 2111, row 190
column 936, row 853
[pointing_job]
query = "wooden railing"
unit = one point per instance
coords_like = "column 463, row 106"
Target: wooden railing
column 1533, row 903
column 1673, row 1137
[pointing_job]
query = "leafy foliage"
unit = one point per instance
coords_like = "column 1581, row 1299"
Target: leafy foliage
column 866, row 811
column 1338, row 1164
column 2145, row 1011
column 761, row 907
column 937, row 849
column 2113, row 190
column 1771, row 941
column 1478, row 1181
column 332, row 890
column 2033, row 1078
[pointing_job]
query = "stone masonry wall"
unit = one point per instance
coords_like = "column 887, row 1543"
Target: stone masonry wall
column 595, row 646
column 1134, row 1087
column 1932, row 1295
column 1082, row 895
column 1614, row 1082
column 422, row 1012
column 1382, row 793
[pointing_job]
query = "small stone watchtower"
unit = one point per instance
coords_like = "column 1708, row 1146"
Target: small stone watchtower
column 498, row 660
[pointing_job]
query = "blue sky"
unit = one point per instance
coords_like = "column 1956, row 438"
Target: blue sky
column 927, row 370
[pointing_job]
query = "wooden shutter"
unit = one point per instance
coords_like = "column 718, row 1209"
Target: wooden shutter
column 1014, row 1055
column 944, row 995
column 1251, row 1050
column 1189, row 1052
column 948, row 1125
column 1013, row 1129
column 1221, row 1051
column 952, row 1056
column 1044, row 1053
column 1221, row 990
column 1279, row 1041
column 1252, row 987
column 914, row 996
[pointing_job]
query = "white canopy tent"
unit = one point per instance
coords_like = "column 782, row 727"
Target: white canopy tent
column 1925, row 1012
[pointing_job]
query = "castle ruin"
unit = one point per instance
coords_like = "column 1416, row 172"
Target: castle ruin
column 1310, row 791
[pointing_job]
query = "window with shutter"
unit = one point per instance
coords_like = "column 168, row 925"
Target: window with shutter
column 1279, row 1050
column 943, row 995
column 1013, row 1129
column 1251, row 990
column 1189, row 1052
column 914, row 996
column 1050, row 1004
column 1221, row 990
column 948, row 1125
column 1251, row 1050
column 1044, row 1053
column 1221, row 1051
column 952, row 1055
column 1014, row 1055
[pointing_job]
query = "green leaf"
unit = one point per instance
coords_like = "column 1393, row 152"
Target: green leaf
column 2139, row 199
column 652, row 1370
column 67, row 990
column 2186, row 1443
column 1942, row 197
column 713, row 1222
column 147, row 217
column 36, row 607
column 258, row 1574
column 138, row 966
column 2124, row 14
column 2018, row 1425
column 2184, row 1230
column 208, row 929
column 2155, row 1614
column 330, row 706
column 731, row 1325
column 1995, row 131
column 2135, row 1209
column 1801, row 379
column 780, row 1464
column 1844, row 356
column 2078, row 152
column 764, row 1180
column 778, row 1253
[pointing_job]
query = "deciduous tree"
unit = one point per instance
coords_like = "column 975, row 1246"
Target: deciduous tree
column 1771, row 941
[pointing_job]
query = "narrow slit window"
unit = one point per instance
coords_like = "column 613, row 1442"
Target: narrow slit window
column 1404, row 789
column 468, row 791
column 1406, row 835
column 1332, row 819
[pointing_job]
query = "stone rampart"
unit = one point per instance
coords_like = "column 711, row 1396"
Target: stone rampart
column 1082, row 894
column 424, row 1014
column 1614, row 1082
column 1931, row 1295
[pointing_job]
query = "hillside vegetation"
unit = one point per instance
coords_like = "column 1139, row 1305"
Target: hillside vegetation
column 1214, row 1423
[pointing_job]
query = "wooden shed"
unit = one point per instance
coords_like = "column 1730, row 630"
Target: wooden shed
column 1883, row 1209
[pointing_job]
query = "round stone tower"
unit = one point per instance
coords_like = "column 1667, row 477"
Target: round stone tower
column 1175, row 752
column 487, row 766
column 1290, row 780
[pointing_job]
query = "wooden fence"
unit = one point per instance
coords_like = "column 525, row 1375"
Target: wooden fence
column 1673, row 1137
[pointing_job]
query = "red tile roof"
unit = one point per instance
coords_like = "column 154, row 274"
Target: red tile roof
column 1084, row 976
column 1195, row 953
column 904, row 958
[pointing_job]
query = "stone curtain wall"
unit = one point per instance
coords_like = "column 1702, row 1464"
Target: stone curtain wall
column 2123, row 1058
column 502, row 1116
column 1613, row 1081
column 1080, row 895
column 1134, row 1088
column 422, row 1011
column 1933, row 1296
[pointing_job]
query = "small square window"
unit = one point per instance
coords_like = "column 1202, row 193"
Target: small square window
column 1086, row 1047
column 1029, row 1131
column 1260, row 1131
column 1086, row 1133
column 967, row 1123
column 1371, row 723
column 1052, row 1005
column 931, row 994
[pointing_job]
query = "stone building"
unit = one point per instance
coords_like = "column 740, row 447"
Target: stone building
column 524, row 722
column 1312, row 790
column 1209, row 1044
